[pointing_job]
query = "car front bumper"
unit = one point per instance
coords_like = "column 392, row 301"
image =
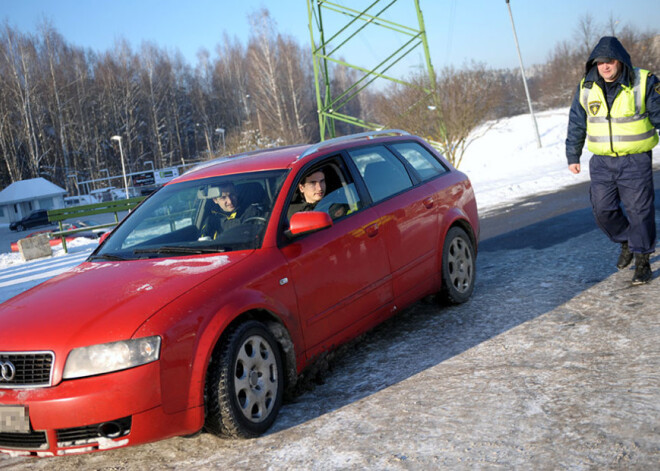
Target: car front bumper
column 96, row 413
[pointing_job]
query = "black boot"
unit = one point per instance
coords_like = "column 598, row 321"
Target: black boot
column 643, row 273
column 625, row 257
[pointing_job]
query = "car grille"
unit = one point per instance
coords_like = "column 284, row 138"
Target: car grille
column 24, row 441
column 26, row 370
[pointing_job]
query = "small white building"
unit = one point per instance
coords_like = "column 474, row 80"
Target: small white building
column 19, row 199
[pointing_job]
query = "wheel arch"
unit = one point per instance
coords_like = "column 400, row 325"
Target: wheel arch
column 190, row 340
column 279, row 330
column 249, row 306
column 457, row 219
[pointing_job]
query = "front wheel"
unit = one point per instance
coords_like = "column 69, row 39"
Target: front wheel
column 245, row 383
column 458, row 267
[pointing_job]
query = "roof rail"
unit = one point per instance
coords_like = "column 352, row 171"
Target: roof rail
column 350, row 137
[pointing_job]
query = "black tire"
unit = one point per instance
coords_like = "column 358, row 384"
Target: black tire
column 458, row 267
column 245, row 383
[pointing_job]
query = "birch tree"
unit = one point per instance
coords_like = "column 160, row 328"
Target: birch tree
column 19, row 58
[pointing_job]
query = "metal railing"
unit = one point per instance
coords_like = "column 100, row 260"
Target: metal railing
column 116, row 207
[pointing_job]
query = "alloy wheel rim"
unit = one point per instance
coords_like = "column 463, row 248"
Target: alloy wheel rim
column 255, row 379
column 460, row 265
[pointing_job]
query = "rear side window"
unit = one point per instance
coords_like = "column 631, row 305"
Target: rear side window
column 383, row 173
column 425, row 163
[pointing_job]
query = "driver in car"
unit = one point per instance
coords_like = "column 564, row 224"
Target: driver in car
column 228, row 212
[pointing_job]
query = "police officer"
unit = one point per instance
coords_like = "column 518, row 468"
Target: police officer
column 617, row 109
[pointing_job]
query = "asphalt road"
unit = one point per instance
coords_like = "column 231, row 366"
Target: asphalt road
column 540, row 207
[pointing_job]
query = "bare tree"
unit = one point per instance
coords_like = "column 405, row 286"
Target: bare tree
column 559, row 77
column 612, row 25
column 57, row 79
column 462, row 101
column 155, row 85
column 298, row 97
column 19, row 61
column 643, row 47
column 120, row 101
column 201, row 95
column 230, row 83
column 586, row 34
column 264, row 77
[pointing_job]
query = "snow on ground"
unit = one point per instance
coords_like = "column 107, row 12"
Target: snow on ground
column 17, row 275
column 504, row 165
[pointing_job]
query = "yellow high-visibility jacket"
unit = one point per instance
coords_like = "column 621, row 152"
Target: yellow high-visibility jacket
column 624, row 129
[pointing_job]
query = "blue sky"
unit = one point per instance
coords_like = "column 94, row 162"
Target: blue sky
column 458, row 30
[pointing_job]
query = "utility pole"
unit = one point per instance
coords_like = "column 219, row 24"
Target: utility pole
column 329, row 47
column 522, row 70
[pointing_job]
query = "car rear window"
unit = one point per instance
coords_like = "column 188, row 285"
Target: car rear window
column 425, row 163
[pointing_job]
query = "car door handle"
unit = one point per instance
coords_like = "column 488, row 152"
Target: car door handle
column 428, row 202
column 372, row 230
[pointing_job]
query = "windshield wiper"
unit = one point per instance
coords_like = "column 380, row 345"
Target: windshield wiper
column 180, row 250
column 107, row 256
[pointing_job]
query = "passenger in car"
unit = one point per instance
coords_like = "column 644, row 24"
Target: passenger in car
column 228, row 211
column 312, row 189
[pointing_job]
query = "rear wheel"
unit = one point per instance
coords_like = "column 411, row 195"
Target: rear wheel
column 245, row 383
column 458, row 267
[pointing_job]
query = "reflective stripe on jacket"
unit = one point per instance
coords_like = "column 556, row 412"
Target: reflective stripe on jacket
column 624, row 129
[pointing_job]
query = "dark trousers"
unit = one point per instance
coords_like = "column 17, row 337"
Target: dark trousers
column 625, row 181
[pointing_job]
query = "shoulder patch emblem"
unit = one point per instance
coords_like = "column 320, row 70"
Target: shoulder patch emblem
column 657, row 88
column 594, row 106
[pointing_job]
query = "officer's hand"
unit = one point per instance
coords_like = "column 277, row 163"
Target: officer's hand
column 574, row 168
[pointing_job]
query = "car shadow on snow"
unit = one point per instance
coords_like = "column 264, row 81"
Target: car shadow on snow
column 521, row 275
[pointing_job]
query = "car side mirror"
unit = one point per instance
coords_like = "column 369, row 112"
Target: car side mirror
column 307, row 222
column 103, row 237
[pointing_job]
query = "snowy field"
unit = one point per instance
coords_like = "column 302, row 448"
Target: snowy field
column 504, row 165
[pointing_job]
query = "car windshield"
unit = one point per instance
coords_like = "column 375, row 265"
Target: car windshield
column 217, row 214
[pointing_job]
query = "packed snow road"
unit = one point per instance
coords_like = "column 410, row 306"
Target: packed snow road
column 553, row 364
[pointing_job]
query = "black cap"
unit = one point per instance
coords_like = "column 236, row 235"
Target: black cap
column 603, row 59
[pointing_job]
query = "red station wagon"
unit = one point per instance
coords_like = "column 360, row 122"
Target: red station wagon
column 200, row 309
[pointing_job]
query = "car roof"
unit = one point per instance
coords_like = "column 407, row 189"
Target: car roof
column 281, row 158
column 255, row 161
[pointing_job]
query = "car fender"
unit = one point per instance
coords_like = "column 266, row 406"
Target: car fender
column 456, row 217
column 244, row 305
column 189, row 339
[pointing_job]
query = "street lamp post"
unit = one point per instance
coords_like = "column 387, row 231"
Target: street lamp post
column 522, row 71
column 123, row 167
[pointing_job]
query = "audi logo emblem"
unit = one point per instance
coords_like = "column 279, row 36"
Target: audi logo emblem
column 7, row 371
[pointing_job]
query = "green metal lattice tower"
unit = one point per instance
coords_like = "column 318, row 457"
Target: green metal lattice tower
column 326, row 48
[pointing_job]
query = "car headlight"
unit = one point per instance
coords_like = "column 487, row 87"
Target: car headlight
column 108, row 357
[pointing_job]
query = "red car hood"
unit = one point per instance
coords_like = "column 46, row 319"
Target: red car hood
column 97, row 302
